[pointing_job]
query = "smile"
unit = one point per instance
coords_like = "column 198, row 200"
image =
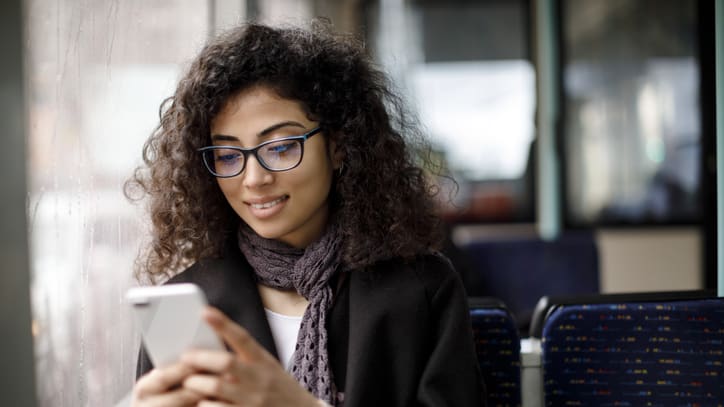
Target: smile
column 269, row 204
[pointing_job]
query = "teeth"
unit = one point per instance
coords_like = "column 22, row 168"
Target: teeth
column 268, row 204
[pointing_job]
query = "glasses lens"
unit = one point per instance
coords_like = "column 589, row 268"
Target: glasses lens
column 281, row 155
column 224, row 161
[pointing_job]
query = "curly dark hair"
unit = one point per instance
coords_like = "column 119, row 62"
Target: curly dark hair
column 383, row 201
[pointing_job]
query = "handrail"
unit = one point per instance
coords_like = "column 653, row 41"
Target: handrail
column 548, row 196
column 719, row 22
column 16, row 353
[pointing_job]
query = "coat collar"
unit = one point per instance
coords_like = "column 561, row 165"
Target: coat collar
column 231, row 287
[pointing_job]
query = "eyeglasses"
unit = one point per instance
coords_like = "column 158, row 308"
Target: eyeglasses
column 274, row 155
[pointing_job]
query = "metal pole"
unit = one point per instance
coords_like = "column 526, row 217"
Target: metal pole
column 17, row 375
column 548, row 197
column 719, row 20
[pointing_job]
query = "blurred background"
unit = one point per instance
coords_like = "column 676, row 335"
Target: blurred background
column 580, row 134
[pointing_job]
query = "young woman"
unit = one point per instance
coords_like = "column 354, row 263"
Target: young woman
column 282, row 181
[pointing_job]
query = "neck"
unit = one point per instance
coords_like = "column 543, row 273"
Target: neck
column 285, row 302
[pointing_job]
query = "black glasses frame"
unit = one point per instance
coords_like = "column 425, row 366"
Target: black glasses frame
column 246, row 152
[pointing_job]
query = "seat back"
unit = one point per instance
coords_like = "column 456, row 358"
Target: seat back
column 635, row 353
column 498, row 348
column 521, row 270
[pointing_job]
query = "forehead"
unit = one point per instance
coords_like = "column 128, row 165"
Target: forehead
column 255, row 107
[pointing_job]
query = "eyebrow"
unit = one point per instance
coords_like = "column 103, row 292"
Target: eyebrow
column 265, row 132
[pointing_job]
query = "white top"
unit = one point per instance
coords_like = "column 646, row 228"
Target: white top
column 284, row 329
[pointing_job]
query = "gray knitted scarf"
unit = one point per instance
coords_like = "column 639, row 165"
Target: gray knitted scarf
column 307, row 271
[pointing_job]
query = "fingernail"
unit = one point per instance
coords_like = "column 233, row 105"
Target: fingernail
column 212, row 315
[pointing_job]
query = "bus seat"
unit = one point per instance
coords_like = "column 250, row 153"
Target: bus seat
column 523, row 269
column 634, row 350
column 498, row 348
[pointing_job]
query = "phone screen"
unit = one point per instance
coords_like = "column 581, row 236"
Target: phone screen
column 170, row 320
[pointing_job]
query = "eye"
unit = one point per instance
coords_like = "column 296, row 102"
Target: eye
column 227, row 158
column 282, row 147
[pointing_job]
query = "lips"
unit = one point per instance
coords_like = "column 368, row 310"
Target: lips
column 269, row 204
column 266, row 207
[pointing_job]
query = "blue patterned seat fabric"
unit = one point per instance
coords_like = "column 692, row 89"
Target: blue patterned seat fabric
column 498, row 348
column 635, row 354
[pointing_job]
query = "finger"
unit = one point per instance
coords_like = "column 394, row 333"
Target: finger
column 179, row 398
column 209, row 361
column 238, row 338
column 211, row 386
column 209, row 403
column 161, row 379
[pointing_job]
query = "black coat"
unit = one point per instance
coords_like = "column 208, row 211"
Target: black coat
column 399, row 333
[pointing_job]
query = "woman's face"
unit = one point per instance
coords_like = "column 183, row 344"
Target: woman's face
column 290, row 206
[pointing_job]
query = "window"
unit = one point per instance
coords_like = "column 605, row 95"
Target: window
column 96, row 73
column 466, row 67
column 632, row 119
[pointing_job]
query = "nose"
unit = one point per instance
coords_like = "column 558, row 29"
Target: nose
column 255, row 175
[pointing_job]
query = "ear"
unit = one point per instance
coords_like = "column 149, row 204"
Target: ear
column 337, row 155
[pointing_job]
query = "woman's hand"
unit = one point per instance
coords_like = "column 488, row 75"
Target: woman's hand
column 250, row 376
column 162, row 387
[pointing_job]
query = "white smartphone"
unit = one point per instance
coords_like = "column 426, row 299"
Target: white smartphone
column 170, row 321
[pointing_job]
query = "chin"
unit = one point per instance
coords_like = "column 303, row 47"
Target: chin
column 266, row 231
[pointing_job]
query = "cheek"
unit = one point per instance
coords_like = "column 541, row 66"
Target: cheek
column 227, row 187
column 308, row 190
column 315, row 179
column 323, row 186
